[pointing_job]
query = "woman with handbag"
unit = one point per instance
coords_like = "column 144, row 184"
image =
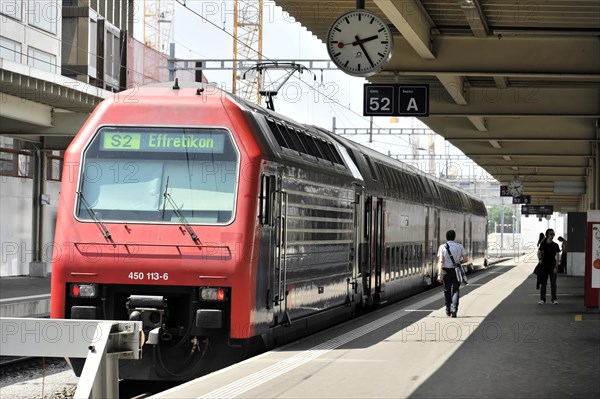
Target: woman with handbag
column 536, row 271
column 562, row 267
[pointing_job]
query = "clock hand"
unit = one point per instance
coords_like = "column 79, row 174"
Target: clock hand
column 361, row 41
column 357, row 42
column 364, row 51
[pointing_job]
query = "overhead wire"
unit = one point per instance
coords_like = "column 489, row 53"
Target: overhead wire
column 334, row 101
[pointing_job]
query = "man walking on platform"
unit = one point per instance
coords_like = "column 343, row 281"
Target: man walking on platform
column 549, row 254
column 449, row 255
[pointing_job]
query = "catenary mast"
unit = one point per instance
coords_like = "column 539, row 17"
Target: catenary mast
column 247, row 45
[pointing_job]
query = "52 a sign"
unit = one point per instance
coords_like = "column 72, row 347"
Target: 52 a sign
column 395, row 100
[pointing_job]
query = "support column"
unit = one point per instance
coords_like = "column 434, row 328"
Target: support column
column 595, row 197
column 37, row 266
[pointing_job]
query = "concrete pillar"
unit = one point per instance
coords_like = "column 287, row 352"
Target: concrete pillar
column 37, row 266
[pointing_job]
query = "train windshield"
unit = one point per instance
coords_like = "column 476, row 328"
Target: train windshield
column 143, row 174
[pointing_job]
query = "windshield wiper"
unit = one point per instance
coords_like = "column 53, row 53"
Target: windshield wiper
column 92, row 214
column 182, row 218
column 165, row 195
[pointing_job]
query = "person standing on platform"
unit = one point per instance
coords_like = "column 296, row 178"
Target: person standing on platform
column 449, row 254
column 541, row 239
column 562, row 267
column 549, row 254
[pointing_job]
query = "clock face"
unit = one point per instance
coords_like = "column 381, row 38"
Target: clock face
column 359, row 43
column 516, row 188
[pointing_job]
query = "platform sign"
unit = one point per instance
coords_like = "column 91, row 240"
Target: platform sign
column 537, row 209
column 379, row 100
column 413, row 100
column 522, row 199
column 505, row 192
column 395, row 100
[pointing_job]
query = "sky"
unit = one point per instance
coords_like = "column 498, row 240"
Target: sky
column 209, row 36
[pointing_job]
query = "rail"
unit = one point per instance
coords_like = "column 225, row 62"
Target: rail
column 101, row 342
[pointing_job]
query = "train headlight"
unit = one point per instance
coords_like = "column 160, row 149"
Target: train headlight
column 212, row 294
column 84, row 290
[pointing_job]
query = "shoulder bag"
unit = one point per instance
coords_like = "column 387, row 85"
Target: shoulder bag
column 460, row 272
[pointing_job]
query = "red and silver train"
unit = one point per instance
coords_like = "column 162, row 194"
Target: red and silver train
column 222, row 225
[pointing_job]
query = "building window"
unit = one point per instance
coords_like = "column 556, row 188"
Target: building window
column 92, row 46
column 41, row 60
column 54, row 165
column 112, row 58
column 13, row 160
column 43, row 14
column 10, row 50
column 11, row 8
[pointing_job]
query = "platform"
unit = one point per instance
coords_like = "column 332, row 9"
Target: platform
column 502, row 345
column 24, row 296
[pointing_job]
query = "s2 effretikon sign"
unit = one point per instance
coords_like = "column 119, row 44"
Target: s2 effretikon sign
column 395, row 100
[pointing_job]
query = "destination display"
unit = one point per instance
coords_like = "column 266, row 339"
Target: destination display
column 123, row 140
column 537, row 209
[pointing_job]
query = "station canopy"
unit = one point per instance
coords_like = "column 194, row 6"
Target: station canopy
column 513, row 84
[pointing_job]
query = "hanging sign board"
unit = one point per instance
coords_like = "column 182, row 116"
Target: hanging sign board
column 396, row 100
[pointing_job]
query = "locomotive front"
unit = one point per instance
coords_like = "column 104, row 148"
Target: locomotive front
column 156, row 225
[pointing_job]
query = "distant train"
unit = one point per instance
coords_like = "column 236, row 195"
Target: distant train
column 223, row 226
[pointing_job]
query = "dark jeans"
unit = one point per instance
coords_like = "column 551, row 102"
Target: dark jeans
column 544, row 282
column 451, row 289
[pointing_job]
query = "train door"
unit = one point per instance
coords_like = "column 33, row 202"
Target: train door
column 429, row 257
column 367, row 251
column 357, row 250
column 470, row 249
column 279, row 283
column 379, row 247
column 267, row 242
column 467, row 236
column 436, row 240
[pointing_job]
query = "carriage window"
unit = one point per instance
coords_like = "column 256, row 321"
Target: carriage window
column 388, row 261
column 396, row 262
column 142, row 174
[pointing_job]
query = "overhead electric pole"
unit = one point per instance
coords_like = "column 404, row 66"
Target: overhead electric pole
column 158, row 24
column 247, row 45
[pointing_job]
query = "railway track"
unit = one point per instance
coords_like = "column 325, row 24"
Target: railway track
column 36, row 377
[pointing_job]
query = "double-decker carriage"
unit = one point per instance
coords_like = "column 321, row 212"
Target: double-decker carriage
column 224, row 227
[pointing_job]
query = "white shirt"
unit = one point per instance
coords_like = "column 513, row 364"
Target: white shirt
column 457, row 250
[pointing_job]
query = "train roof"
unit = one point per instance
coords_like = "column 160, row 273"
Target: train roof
column 377, row 169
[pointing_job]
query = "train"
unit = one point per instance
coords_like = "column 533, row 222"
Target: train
column 228, row 229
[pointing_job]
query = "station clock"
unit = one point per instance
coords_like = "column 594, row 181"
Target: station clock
column 360, row 43
column 515, row 188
